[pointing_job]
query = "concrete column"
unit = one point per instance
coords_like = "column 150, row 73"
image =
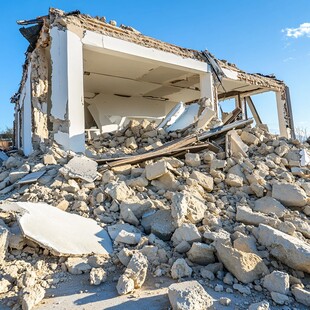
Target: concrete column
column 282, row 115
column 206, row 87
column 67, row 98
column 25, row 104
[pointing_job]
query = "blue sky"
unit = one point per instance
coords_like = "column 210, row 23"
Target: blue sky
column 250, row 34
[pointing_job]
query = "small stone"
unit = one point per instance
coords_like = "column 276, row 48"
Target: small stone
column 242, row 289
column 234, row 180
column 279, row 298
column 49, row 159
column 262, row 305
column 31, row 296
column 97, row 276
column 201, row 253
column 4, row 286
column 219, row 288
column 77, row 265
column 128, row 237
column 180, row 269
column 228, row 279
column 207, row 274
column 192, row 159
column 224, row 301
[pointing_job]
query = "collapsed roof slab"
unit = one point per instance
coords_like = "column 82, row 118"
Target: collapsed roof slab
column 63, row 233
column 113, row 46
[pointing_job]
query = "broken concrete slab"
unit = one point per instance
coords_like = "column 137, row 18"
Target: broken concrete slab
column 281, row 244
column 269, row 205
column 247, row 216
column 290, row 195
column 234, row 145
column 66, row 234
column 31, row 177
column 80, row 167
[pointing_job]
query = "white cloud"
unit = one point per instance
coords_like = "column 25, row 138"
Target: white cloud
column 302, row 30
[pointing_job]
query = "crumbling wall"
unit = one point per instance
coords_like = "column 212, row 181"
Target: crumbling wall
column 39, row 90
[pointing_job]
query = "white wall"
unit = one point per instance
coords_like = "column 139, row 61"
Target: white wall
column 67, row 98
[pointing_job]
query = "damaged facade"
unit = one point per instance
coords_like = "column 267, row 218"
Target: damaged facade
column 83, row 75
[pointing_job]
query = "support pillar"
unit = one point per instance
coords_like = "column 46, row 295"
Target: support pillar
column 67, row 97
column 282, row 114
column 206, row 87
column 25, row 104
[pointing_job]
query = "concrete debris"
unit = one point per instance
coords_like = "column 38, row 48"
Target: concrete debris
column 4, row 240
column 301, row 295
column 36, row 224
column 80, row 167
column 201, row 254
column 97, row 276
column 189, row 295
column 277, row 281
column 262, row 305
column 269, row 205
column 280, row 244
column 228, row 222
column 290, row 195
column 278, row 298
column 78, row 265
column 31, row 177
column 134, row 275
column 246, row 267
column 32, row 296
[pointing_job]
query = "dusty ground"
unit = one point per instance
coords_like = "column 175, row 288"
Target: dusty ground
column 77, row 293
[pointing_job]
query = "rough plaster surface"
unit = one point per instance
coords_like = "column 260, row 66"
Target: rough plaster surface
column 60, row 232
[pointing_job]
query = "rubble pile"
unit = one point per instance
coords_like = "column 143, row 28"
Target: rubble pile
column 235, row 224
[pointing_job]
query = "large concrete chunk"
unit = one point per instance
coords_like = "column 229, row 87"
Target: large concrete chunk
column 277, row 281
column 201, row 253
column 186, row 232
column 134, row 275
column 204, row 180
column 60, row 232
column 80, row 167
column 301, row 295
column 160, row 224
column 246, row 267
column 269, row 205
column 189, row 295
column 247, row 216
column 290, row 195
column 156, row 170
column 289, row 250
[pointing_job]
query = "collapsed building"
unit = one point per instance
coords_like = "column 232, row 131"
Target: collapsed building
column 84, row 75
column 170, row 200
